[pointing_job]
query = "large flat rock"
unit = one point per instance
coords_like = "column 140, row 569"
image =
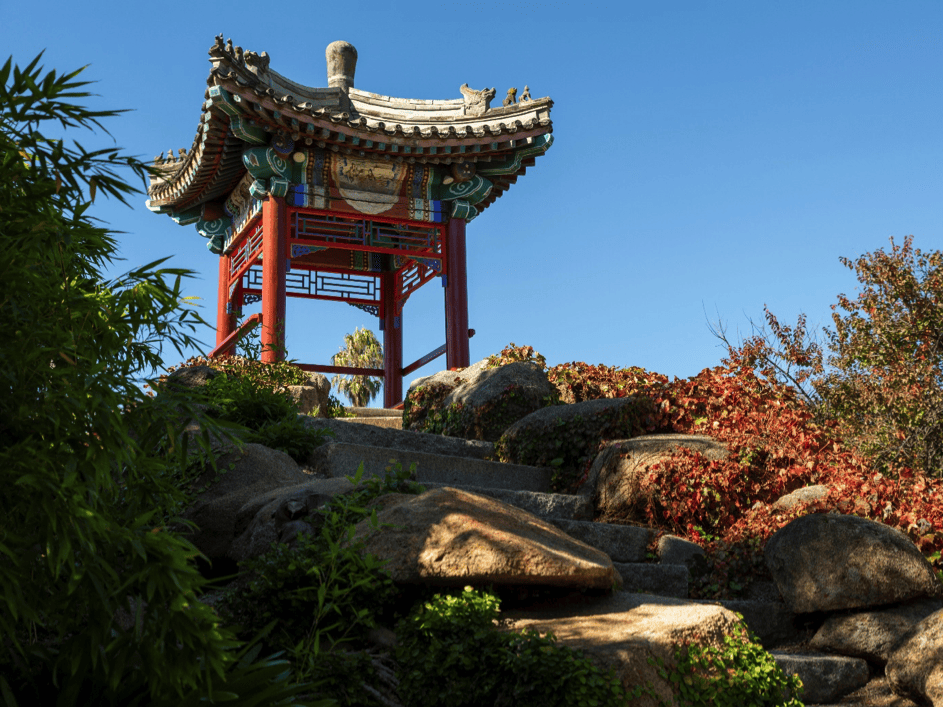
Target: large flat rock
column 624, row 630
column 449, row 537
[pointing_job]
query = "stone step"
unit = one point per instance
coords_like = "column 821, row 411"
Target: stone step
column 374, row 412
column 393, row 423
column 876, row 692
column 342, row 459
column 826, row 678
column 654, row 578
column 623, row 543
column 354, row 431
column 772, row 622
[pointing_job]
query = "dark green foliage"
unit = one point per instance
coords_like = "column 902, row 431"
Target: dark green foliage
column 339, row 590
column 243, row 401
column 265, row 683
column 290, row 435
column 83, row 500
column 342, row 674
column 264, row 375
column 741, row 673
column 450, row 653
column 335, row 409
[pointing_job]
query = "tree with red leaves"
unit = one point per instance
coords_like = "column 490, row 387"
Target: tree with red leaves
column 885, row 386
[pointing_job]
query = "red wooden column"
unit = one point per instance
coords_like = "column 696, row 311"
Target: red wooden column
column 225, row 322
column 392, row 342
column 273, row 279
column 456, row 297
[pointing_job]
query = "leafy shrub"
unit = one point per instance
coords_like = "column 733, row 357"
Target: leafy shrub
column 335, row 409
column 740, row 673
column 292, row 436
column 512, row 353
column 578, row 382
column 243, row 401
column 339, row 589
column 885, row 391
column 450, row 653
column 776, row 447
column 420, row 408
column 264, row 375
column 83, row 497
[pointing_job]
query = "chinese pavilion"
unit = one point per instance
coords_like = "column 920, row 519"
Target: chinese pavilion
column 343, row 195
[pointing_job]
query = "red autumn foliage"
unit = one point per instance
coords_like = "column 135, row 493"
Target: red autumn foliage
column 776, row 446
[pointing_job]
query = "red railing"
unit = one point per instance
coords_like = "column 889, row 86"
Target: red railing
column 225, row 346
column 255, row 319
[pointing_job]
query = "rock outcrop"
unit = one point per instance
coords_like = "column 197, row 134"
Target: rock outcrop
column 915, row 669
column 855, row 590
column 569, row 432
column 449, row 537
column 624, row 631
column 255, row 470
column 616, row 478
column 830, row 562
column 493, row 399
column 875, row 633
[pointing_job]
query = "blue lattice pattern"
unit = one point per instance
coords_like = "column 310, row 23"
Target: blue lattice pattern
column 326, row 285
column 298, row 250
column 432, row 263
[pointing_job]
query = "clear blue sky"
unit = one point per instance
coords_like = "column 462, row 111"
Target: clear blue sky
column 709, row 157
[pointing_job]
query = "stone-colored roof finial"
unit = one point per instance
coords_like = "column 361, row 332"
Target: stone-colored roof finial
column 341, row 65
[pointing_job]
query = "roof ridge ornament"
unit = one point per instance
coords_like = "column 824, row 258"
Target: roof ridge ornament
column 252, row 61
column 341, row 65
column 476, row 102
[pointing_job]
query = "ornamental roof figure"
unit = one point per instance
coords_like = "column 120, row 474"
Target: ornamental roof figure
column 258, row 127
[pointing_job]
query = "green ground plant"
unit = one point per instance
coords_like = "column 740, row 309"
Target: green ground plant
column 244, row 402
column 292, row 436
column 741, row 674
column 340, row 590
column 451, row 653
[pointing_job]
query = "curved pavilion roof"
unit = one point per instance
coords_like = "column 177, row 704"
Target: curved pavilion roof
column 247, row 103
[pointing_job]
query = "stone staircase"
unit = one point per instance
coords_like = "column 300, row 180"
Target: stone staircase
column 380, row 417
column 374, row 439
